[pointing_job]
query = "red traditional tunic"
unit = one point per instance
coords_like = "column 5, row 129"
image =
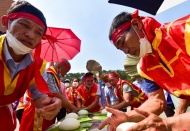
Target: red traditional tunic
column 71, row 93
column 136, row 101
column 88, row 96
column 169, row 63
column 13, row 89
column 30, row 120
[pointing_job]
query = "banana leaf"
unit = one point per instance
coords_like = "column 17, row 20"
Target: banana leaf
column 85, row 124
column 102, row 117
column 82, row 116
column 85, row 119
column 97, row 113
column 54, row 127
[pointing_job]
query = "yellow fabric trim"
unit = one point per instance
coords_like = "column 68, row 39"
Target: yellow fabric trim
column 156, row 44
column 37, row 122
column 55, row 73
column 81, row 97
column 180, row 92
column 141, row 73
column 138, row 98
column 93, row 94
column 1, row 46
column 32, row 82
column 168, row 28
column 187, row 36
column 9, row 88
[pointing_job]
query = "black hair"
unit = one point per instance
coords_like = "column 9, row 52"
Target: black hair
column 24, row 6
column 119, row 20
column 88, row 74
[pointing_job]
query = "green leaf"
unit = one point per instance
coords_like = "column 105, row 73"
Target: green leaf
column 85, row 124
column 54, row 127
column 102, row 117
column 82, row 116
column 84, row 119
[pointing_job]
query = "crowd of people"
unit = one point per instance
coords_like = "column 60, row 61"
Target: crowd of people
column 38, row 96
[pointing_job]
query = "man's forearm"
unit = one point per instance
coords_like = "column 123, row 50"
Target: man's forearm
column 93, row 105
column 65, row 102
column 155, row 104
column 179, row 122
column 38, row 101
column 182, row 106
column 121, row 105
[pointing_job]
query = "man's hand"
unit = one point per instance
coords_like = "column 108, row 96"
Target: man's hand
column 151, row 123
column 116, row 118
column 50, row 107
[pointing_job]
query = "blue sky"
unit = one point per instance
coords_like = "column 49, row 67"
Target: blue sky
column 90, row 21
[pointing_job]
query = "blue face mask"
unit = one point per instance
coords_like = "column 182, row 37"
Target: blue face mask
column 59, row 75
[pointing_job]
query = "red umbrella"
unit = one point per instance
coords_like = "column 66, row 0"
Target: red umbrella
column 59, row 43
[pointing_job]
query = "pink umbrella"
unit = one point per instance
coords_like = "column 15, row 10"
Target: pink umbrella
column 59, row 43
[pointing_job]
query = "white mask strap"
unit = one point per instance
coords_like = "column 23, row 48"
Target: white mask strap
column 138, row 34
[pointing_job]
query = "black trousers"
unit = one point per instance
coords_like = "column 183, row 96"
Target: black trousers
column 19, row 114
column 170, row 110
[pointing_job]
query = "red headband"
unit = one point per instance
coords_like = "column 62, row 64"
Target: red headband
column 122, row 28
column 28, row 16
column 113, row 75
column 65, row 64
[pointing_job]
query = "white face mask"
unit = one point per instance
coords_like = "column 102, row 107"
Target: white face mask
column 75, row 84
column 108, row 84
column 89, row 86
column 67, row 84
column 145, row 46
column 17, row 46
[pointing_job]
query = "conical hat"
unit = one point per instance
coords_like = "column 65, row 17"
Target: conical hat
column 93, row 65
column 130, row 65
column 131, row 60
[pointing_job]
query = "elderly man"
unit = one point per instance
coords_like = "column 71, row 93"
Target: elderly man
column 54, row 73
column 25, row 27
column 164, row 52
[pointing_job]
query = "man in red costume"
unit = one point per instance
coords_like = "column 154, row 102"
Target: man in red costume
column 164, row 51
column 54, row 73
column 20, row 71
column 127, row 93
column 71, row 92
column 89, row 94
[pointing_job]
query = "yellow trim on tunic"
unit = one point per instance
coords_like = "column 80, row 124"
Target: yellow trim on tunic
column 156, row 44
column 187, row 36
column 9, row 88
column 141, row 73
column 37, row 123
column 138, row 98
column 32, row 82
